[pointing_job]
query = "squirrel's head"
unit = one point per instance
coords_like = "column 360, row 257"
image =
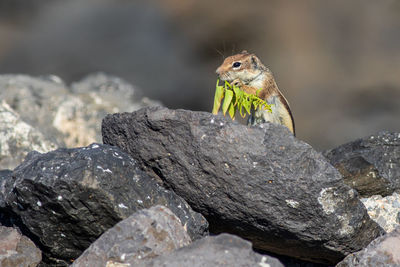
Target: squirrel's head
column 243, row 66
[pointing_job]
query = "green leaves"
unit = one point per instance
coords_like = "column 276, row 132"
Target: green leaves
column 227, row 100
column 236, row 100
column 219, row 95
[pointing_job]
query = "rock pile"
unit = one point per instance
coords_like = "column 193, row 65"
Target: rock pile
column 65, row 199
column 260, row 183
column 164, row 179
column 43, row 113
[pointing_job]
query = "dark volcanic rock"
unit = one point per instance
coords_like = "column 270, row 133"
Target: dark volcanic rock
column 67, row 198
column 222, row 250
column 260, row 183
column 383, row 251
column 145, row 234
column 371, row 165
column 17, row 250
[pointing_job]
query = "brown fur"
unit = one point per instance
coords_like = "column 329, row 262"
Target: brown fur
column 253, row 75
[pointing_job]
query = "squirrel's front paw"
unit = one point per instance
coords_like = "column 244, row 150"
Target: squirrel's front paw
column 237, row 82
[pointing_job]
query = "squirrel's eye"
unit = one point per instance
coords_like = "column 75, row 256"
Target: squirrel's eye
column 236, row 64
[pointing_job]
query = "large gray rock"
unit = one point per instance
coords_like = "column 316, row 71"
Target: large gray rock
column 35, row 100
column 69, row 116
column 145, row 234
column 94, row 97
column 110, row 94
column 221, row 250
column 383, row 251
column 371, row 165
column 17, row 250
column 18, row 138
column 65, row 199
column 260, row 183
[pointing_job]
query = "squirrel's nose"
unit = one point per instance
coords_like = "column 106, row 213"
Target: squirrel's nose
column 218, row 71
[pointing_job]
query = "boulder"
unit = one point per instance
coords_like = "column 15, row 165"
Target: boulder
column 110, row 94
column 17, row 250
column 65, row 199
column 17, row 138
column 95, row 96
column 35, row 99
column 69, row 116
column 221, row 250
column 383, row 251
column 371, row 165
column 260, row 183
column 145, row 234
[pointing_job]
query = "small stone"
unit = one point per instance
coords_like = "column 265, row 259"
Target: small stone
column 383, row 251
column 16, row 249
column 145, row 234
column 221, row 250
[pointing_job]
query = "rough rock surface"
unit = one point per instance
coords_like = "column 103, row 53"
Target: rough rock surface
column 67, row 198
column 384, row 210
column 69, row 116
column 111, row 93
column 145, row 234
column 17, row 250
column 5, row 175
column 94, row 97
column 260, row 183
column 371, row 165
column 221, row 250
column 383, row 251
column 6, row 216
column 35, row 100
column 18, row 138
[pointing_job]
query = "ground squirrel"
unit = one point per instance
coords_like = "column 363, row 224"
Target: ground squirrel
column 246, row 71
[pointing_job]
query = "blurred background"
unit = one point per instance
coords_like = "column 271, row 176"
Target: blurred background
column 337, row 62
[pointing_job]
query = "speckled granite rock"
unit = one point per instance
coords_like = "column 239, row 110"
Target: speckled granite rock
column 17, row 138
column 69, row 116
column 384, row 210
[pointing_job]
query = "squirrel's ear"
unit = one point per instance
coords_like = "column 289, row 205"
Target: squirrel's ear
column 254, row 62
